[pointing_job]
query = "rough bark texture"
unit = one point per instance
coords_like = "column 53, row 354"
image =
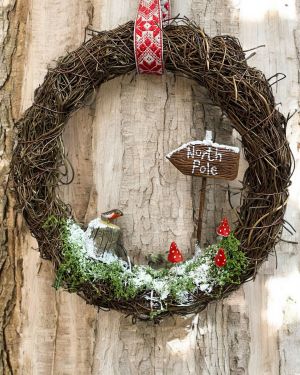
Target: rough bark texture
column 256, row 330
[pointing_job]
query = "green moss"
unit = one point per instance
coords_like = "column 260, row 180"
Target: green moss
column 236, row 262
column 78, row 269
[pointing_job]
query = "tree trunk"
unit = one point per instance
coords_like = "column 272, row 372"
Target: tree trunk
column 117, row 145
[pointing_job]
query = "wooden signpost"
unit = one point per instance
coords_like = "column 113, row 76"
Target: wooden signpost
column 206, row 159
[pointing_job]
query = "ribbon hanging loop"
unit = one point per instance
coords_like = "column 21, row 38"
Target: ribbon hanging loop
column 148, row 35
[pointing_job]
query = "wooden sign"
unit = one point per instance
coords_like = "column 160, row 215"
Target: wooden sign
column 206, row 159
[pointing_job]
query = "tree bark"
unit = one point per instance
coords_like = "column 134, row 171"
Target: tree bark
column 117, row 145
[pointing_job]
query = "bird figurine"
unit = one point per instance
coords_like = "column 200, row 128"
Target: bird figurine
column 104, row 234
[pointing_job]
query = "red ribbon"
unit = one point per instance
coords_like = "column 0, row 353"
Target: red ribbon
column 148, row 35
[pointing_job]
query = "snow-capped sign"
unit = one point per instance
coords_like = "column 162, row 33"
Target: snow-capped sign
column 206, row 159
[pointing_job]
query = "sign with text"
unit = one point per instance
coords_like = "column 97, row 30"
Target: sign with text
column 206, row 159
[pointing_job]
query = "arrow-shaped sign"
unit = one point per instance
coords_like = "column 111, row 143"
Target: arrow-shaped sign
column 206, row 159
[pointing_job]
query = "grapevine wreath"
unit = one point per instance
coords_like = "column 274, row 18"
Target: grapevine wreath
column 39, row 166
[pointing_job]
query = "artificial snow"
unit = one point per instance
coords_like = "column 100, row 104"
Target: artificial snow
column 205, row 288
column 139, row 277
column 82, row 239
column 76, row 234
column 178, row 270
column 198, row 250
column 161, row 287
column 206, row 142
column 183, row 298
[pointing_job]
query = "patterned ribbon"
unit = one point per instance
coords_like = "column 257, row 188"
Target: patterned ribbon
column 148, row 35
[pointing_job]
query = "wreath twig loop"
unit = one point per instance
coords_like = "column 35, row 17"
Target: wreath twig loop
column 244, row 95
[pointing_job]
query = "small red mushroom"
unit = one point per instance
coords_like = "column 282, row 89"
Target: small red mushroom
column 220, row 258
column 224, row 228
column 174, row 255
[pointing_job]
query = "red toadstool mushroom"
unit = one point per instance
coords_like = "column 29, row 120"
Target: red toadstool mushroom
column 224, row 228
column 220, row 258
column 174, row 255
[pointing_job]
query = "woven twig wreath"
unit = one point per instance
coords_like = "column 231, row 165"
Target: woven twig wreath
column 244, row 95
